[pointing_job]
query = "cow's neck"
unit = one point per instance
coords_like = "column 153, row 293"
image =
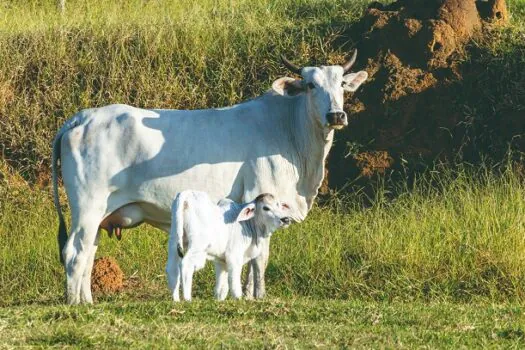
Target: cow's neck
column 312, row 144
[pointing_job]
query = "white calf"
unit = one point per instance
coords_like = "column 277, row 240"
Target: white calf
column 227, row 233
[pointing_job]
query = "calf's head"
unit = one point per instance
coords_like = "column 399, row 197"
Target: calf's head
column 267, row 211
column 323, row 88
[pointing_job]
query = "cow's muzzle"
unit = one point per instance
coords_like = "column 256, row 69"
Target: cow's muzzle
column 337, row 120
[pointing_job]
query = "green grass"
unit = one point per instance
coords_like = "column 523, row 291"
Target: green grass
column 436, row 263
column 451, row 235
column 274, row 323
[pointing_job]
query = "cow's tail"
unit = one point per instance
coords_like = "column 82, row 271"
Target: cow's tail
column 62, row 230
column 179, row 206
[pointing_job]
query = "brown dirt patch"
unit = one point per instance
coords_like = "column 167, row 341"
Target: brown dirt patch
column 106, row 277
column 410, row 106
column 419, row 35
column 373, row 162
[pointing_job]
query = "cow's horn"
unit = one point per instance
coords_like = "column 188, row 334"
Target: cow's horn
column 291, row 66
column 350, row 62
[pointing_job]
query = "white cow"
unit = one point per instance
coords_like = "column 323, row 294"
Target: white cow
column 122, row 166
column 228, row 233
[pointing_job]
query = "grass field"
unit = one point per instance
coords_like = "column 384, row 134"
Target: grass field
column 274, row 323
column 437, row 262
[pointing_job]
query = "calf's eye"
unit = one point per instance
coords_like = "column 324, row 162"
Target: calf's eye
column 265, row 208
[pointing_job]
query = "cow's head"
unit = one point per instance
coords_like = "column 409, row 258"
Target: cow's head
column 324, row 88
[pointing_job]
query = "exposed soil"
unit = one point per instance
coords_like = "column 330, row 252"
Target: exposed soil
column 493, row 11
column 106, row 277
column 409, row 108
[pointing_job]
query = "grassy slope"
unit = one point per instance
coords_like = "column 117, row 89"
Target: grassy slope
column 273, row 323
column 163, row 54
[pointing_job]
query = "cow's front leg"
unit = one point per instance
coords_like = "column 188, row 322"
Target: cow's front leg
column 248, row 281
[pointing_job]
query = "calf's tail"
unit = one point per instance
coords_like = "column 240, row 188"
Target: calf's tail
column 179, row 205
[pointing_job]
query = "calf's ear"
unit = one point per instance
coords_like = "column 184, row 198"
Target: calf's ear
column 247, row 212
column 287, row 86
column 352, row 81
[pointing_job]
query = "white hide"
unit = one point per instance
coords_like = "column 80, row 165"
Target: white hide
column 123, row 165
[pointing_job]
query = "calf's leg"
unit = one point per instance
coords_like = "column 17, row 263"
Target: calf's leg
column 254, row 285
column 192, row 261
column 234, row 277
column 259, row 268
column 221, row 281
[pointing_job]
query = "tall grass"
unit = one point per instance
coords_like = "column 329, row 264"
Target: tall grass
column 162, row 54
column 455, row 235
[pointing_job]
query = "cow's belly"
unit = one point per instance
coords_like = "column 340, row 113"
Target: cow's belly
column 218, row 181
column 150, row 201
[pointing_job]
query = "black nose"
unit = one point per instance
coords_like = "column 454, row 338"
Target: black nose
column 336, row 118
column 286, row 220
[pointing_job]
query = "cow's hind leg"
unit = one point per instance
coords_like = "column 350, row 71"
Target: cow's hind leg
column 85, row 289
column 78, row 256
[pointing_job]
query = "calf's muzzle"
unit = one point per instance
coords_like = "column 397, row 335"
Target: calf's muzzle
column 286, row 220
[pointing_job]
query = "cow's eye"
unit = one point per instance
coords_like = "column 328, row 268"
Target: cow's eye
column 311, row 86
column 265, row 208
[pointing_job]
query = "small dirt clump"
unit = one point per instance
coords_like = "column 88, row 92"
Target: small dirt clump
column 106, row 277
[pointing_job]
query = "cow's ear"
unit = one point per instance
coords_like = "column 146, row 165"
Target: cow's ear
column 352, row 81
column 288, row 86
column 247, row 212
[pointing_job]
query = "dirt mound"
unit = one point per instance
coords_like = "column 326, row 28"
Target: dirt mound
column 493, row 11
column 409, row 106
column 106, row 277
column 422, row 35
